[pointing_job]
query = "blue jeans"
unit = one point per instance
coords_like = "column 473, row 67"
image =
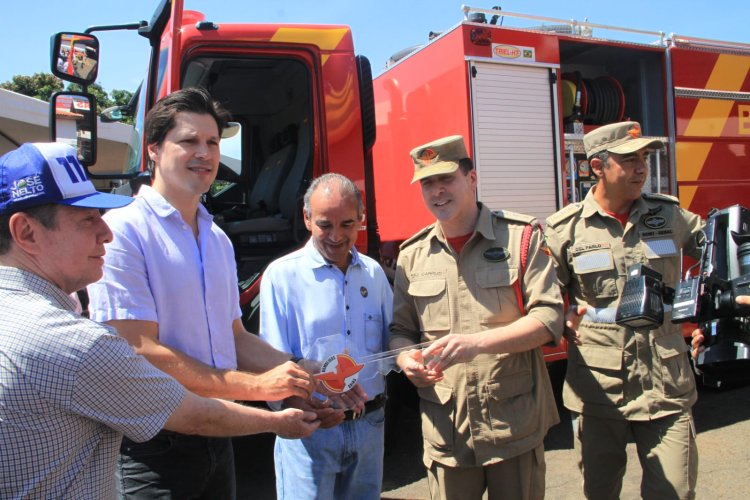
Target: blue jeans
column 173, row 465
column 343, row 462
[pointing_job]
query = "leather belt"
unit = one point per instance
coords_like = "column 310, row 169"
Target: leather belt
column 374, row 404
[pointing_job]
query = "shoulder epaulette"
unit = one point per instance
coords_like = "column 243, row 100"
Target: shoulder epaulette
column 564, row 213
column 419, row 235
column 661, row 197
column 514, row 216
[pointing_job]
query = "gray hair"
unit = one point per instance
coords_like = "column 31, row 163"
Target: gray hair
column 329, row 181
column 603, row 156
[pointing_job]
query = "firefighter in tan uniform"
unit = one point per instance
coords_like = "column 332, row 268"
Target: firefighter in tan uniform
column 485, row 396
column 621, row 381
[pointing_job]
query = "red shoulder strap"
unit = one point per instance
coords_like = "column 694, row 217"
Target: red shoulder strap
column 525, row 243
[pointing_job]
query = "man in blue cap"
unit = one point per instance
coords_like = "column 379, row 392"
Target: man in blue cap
column 70, row 388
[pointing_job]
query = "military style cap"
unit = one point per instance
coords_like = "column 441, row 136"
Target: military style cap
column 438, row 157
column 619, row 138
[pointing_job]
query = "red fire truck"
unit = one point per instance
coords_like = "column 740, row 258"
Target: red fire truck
column 523, row 98
column 301, row 102
column 303, row 105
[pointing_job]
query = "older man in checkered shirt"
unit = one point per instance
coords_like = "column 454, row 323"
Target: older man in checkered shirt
column 70, row 388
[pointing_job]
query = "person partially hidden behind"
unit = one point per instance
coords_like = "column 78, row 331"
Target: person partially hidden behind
column 70, row 388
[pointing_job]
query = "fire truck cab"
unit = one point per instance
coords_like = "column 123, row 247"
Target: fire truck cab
column 301, row 102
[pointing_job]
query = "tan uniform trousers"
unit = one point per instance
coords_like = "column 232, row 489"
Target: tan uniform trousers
column 666, row 450
column 519, row 478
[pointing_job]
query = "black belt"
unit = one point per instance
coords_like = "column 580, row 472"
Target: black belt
column 374, row 404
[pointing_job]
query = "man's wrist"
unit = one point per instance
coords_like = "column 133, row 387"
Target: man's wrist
column 296, row 359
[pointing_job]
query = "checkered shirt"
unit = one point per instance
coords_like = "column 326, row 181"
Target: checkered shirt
column 69, row 389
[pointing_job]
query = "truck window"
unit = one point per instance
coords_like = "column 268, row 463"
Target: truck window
column 265, row 166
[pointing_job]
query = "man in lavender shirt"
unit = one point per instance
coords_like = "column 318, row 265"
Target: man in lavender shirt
column 170, row 288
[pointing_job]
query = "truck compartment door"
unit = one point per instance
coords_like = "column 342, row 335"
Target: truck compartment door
column 515, row 150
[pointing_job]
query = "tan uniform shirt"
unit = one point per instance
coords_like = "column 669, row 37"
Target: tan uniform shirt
column 618, row 372
column 499, row 405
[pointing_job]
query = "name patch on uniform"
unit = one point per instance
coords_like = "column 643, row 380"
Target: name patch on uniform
column 589, row 262
column 661, row 247
column 655, row 234
column 427, row 274
column 587, row 247
column 496, row 254
column 655, row 222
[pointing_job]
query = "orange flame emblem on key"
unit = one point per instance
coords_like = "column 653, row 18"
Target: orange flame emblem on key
column 339, row 373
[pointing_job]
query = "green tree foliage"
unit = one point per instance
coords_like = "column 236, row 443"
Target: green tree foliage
column 121, row 97
column 39, row 85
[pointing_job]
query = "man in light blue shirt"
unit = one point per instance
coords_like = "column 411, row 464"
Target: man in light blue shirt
column 324, row 299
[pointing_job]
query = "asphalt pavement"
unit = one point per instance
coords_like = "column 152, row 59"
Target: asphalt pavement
column 722, row 418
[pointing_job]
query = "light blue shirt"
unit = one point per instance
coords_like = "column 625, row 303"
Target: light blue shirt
column 310, row 308
column 156, row 270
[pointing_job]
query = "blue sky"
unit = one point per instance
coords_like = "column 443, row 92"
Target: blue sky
column 380, row 27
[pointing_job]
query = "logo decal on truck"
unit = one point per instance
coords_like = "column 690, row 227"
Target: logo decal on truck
column 505, row 51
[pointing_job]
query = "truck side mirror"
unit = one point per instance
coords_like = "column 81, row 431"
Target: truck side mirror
column 73, row 121
column 75, row 57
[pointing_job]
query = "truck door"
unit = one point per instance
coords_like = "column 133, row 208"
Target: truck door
column 711, row 120
column 515, row 129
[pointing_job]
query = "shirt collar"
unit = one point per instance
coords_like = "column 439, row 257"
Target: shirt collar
column 315, row 259
column 591, row 206
column 483, row 225
column 162, row 207
column 20, row 280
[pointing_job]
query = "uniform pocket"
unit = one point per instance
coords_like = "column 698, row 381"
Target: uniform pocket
column 495, row 295
column 438, row 407
column 677, row 379
column 431, row 301
column 597, row 375
column 595, row 270
column 513, row 411
column 663, row 257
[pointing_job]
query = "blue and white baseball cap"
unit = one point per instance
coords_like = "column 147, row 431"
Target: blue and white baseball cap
column 40, row 173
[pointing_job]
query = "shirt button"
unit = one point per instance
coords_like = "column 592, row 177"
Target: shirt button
column 347, row 307
column 348, row 332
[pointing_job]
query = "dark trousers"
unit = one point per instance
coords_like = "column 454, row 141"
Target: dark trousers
column 176, row 466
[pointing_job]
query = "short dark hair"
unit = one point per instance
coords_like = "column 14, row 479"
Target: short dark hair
column 601, row 155
column 46, row 215
column 161, row 118
column 466, row 165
